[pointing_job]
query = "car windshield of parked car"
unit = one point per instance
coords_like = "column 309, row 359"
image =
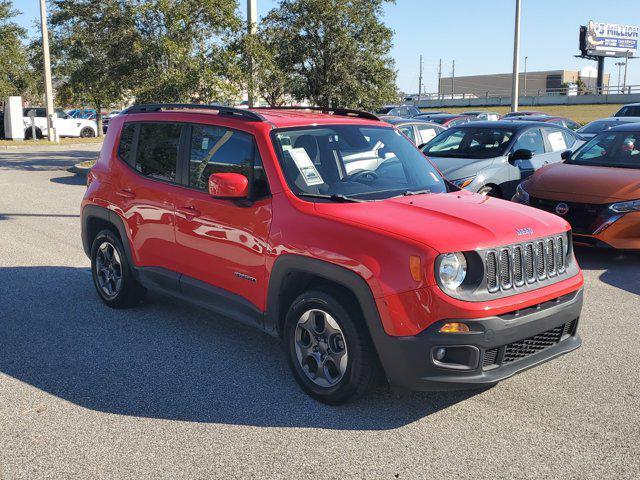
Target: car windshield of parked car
column 476, row 142
column 354, row 162
column 599, row 126
column 384, row 110
column 619, row 149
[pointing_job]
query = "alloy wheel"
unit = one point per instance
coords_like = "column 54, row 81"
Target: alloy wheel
column 108, row 269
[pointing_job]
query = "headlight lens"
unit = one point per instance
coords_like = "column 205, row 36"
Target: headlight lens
column 463, row 182
column 521, row 194
column 626, row 207
column 452, row 270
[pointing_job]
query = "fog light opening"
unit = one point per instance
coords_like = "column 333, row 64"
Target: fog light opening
column 456, row 357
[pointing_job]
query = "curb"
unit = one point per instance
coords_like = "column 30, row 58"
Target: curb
column 79, row 170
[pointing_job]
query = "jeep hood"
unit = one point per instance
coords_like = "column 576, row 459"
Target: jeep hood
column 582, row 183
column 449, row 222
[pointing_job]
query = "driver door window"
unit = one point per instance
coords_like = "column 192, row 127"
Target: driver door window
column 408, row 131
column 530, row 140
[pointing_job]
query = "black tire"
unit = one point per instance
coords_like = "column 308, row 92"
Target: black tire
column 28, row 135
column 129, row 292
column 87, row 132
column 489, row 192
column 361, row 365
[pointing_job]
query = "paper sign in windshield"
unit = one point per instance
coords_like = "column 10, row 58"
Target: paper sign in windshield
column 556, row 139
column 307, row 169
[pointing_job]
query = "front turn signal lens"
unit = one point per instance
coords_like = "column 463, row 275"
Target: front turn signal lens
column 454, row 327
column 415, row 266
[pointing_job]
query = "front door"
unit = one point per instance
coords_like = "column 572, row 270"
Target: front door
column 223, row 242
column 530, row 139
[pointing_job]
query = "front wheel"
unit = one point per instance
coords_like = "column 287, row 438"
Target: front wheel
column 328, row 348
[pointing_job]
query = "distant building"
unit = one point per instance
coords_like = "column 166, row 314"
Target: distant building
column 537, row 83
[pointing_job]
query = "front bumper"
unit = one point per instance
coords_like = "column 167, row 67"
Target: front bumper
column 505, row 345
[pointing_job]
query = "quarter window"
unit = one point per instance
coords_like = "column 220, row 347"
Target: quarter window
column 125, row 148
column 157, row 154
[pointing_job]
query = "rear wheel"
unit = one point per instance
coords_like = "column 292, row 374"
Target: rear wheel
column 87, row 132
column 328, row 348
column 112, row 274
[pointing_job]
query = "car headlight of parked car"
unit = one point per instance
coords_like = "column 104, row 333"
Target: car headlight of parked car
column 521, row 195
column 626, row 207
column 463, row 182
column 452, row 270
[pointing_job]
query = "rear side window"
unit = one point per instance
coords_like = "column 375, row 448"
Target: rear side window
column 125, row 148
column 157, row 154
column 556, row 139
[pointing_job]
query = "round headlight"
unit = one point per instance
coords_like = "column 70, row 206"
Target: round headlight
column 453, row 270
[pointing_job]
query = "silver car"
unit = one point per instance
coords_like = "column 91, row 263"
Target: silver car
column 492, row 158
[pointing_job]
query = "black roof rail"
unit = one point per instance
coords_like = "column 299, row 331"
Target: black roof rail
column 333, row 111
column 222, row 110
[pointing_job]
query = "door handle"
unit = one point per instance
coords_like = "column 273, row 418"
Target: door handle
column 126, row 193
column 189, row 211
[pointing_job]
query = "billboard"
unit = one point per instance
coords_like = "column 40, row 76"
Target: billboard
column 609, row 39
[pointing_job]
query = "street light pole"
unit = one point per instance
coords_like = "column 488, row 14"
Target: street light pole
column 252, row 15
column 516, row 61
column 48, row 88
column 619, row 65
column 626, row 64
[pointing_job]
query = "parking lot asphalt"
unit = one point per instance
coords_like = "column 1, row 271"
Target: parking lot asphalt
column 167, row 390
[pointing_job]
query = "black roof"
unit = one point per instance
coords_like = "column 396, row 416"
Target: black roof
column 625, row 127
column 506, row 124
column 536, row 118
column 402, row 120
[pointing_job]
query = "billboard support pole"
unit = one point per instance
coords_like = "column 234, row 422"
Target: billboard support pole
column 626, row 63
column 600, row 81
column 516, row 61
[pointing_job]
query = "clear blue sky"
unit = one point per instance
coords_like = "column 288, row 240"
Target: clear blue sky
column 478, row 34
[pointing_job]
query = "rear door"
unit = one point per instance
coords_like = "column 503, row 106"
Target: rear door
column 221, row 242
column 556, row 141
column 145, row 190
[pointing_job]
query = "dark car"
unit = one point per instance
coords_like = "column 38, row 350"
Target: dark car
column 399, row 110
column 445, row 119
column 492, row 158
column 522, row 113
column 419, row 131
column 590, row 130
column 562, row 121
column 482, row 115
column 630, row 110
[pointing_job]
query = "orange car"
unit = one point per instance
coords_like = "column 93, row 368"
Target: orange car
column 596, row 189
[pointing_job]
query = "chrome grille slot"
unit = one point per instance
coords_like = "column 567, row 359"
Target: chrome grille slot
column 505, row 269
column 540, row 263
column 550, row 256
column 524, row 264
column 529, row 263
column 518, row 274
column 492, row 272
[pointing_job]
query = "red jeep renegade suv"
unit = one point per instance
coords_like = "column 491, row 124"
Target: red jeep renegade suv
column 329, row 229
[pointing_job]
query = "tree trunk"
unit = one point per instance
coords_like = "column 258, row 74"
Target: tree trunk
column 98, row 108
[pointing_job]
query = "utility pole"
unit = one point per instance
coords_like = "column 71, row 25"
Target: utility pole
column 252, row 17
column 48, row 88
column 439, row 78
column 453, row 79
column 619, row 65
column 516, row 60
column 525, row 76
column 420, row 83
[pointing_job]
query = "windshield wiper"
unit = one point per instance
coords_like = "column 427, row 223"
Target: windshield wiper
column 336, row 197
column 408, row 193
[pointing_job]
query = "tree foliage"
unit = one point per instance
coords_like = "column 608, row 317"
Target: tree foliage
column 14, row 71
column 95, row 50
column 185, row 46
column 337, row 51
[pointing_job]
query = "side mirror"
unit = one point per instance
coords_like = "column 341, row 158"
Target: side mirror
column 520, row 154
column 566, row 155
column 228, row 185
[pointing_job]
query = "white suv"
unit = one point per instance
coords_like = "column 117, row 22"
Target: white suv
column 65, row 125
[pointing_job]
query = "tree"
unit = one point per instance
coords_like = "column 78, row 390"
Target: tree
column 185, row 44
column 337, row 51
column 14, row 74
column 95, row 50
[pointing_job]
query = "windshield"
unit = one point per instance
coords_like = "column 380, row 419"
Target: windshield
column 629, row 111
column 599, row 126
column 621, row 149
column 358, row 162
column 384, row 110
column 476, row 142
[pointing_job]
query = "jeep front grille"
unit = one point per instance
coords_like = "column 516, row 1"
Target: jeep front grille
column 527, row 263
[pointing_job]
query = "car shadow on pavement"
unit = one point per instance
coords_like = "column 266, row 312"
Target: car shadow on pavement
column 43, row 160
column 169, row 360
column 70, row 180
column 621, row 269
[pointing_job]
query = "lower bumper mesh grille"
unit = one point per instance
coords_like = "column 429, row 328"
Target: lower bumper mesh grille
column 529, row 346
